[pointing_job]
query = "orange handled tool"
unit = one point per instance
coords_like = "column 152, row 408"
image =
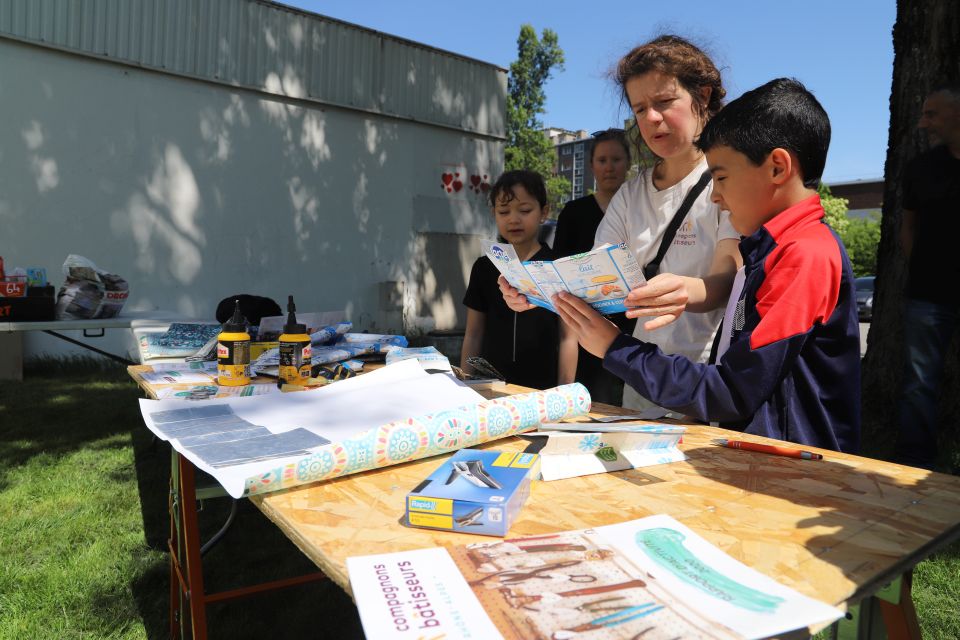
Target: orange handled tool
column 768, row 448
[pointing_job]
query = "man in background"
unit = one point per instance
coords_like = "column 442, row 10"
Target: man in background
column 929, row 233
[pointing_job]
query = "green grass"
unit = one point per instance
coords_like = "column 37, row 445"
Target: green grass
column 936, row 594
column 83, row 525
column 83, row 528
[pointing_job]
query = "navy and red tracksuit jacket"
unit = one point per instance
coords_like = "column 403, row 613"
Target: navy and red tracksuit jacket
column 792, row 370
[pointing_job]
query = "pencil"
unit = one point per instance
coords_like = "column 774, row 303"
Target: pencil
column 768, row 448
column 620, row 617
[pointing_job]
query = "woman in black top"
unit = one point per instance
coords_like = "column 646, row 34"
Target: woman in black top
column 576, row 227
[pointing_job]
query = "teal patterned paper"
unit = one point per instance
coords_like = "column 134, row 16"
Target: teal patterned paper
column 428, row 435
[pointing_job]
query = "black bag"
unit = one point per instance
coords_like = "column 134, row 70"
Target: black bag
column 252, row 307
column 653, row 266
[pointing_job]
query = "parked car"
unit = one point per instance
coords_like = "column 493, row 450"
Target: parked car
column 864, row 287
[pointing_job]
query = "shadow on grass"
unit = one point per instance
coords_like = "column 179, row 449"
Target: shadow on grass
column 62, row 408
column 55, row 413
column 256, row 551
column 253, row 551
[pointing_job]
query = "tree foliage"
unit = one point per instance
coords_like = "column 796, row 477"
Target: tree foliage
column 527, row 146
column 834, row 209
column 862, row 238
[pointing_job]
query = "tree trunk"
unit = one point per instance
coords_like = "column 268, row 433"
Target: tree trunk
column 926, row 44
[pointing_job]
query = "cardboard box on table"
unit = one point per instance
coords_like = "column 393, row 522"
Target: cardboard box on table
column 474, row 492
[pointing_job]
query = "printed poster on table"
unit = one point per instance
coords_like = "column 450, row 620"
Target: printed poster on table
column 651, row 578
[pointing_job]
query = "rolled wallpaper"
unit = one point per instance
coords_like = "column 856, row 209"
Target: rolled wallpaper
column 427, row 435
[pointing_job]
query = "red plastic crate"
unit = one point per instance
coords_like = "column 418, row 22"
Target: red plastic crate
column 13, row 287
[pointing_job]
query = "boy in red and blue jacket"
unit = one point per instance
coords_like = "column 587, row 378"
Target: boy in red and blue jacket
column 788, row 361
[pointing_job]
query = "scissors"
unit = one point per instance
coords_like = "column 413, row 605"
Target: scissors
column 516, row 576
column 484, row 367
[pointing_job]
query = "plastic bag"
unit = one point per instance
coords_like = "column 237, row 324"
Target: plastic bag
column 89, row 292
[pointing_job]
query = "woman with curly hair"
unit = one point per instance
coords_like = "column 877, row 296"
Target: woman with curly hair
column 673, row 88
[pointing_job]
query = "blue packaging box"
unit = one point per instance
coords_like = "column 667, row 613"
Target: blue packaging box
column 474, row 492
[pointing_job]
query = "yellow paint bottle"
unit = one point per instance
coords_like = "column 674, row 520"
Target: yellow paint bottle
column 295, row 352
column 233, row 351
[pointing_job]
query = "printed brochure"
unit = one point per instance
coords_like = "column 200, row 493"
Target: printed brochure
column 652, row 578
column 603, row 277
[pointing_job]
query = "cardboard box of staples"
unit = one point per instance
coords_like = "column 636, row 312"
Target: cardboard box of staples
column 474, row 492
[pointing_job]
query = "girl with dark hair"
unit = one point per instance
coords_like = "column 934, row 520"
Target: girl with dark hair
column 532, row 349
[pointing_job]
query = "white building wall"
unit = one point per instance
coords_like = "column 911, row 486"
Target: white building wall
column 194, row 191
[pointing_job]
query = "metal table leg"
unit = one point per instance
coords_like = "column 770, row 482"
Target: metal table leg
column 188, row 597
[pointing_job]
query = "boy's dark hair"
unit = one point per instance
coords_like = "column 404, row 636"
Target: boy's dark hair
column 781, row 113
column 615, row 135
column 531, row 181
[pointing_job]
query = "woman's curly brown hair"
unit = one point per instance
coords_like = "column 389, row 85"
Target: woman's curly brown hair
column 677, row 57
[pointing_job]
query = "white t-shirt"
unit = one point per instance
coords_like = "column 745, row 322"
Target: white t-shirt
column 730, row 315
column 638, row 215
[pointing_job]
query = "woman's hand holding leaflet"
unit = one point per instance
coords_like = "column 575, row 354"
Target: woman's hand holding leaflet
column 665, row 297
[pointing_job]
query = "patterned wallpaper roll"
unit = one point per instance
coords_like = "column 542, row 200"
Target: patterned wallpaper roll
column 428, row 435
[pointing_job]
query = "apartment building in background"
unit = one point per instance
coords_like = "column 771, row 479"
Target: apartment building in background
column 573, row 159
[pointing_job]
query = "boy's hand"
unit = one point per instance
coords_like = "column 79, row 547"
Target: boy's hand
column 594, row 332
column 512, row 296
column 665, row 296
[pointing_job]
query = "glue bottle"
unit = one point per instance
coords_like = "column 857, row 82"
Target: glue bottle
column 233, row 351
column 294, row 350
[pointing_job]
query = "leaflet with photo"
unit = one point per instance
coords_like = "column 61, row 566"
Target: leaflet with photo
column 603, row 277
column 652, row 578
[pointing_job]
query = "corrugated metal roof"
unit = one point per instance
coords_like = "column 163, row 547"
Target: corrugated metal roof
column 272, row 48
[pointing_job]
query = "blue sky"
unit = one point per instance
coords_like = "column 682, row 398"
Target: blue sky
column 842, row 50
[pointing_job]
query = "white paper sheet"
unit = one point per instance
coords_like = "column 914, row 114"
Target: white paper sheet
column 313, row 320
column 417, row 594
column 334, row 412
column 568, row 455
